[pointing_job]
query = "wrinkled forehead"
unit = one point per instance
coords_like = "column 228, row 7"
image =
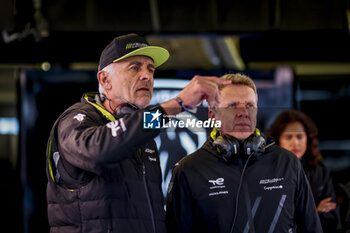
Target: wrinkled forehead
column 138, row 58
column 238, row 93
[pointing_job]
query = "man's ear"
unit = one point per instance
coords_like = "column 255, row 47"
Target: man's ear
column 104, row 80
column 211, row 113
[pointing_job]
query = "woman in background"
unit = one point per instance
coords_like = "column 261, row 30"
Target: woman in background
column 296, row 132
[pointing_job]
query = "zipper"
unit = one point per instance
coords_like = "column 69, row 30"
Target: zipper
column 148, row 196
column 143, row 168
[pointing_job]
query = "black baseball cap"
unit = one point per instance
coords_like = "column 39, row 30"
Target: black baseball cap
column 129, row 45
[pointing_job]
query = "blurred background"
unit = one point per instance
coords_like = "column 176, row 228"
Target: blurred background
column 297, row 52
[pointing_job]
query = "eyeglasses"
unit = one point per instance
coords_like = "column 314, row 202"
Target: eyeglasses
column 238, row 105
column 249, row 106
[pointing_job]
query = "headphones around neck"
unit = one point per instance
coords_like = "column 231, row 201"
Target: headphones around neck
column 229, row 147
column 124, row 110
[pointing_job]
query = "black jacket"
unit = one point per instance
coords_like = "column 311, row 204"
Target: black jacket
column 275, row 195
column 322, row 187
column 103, row 174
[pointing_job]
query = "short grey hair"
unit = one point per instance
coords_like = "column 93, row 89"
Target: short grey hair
column 101, row 90
column 240, row 79
column 108, row 69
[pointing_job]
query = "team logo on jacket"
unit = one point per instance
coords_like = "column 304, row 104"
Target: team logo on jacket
column 79, row 117
column 272, row 183
column 151, row 120
column 218, row 181
column 148, row 150
column 116, row 126
column 151, row 158
column 217, row 187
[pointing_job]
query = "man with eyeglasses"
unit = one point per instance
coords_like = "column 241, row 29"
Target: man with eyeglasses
column 239, row 181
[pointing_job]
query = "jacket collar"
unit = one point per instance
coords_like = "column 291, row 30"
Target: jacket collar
column 91, row 99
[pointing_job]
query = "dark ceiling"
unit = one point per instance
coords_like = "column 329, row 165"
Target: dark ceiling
column 63, row 31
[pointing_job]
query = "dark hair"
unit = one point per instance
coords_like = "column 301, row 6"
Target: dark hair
column 312, row 155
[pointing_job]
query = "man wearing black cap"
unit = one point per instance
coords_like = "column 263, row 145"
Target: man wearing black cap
column 103, row 168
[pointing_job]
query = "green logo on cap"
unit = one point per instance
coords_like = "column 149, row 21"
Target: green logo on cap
column 135, row 45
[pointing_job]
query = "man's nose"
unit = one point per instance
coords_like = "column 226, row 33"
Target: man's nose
column 242, row 110
column 146, row 75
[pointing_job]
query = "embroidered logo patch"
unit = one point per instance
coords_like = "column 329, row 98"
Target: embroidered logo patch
column 116, row 126
column 217, row 187
column 79, row 117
